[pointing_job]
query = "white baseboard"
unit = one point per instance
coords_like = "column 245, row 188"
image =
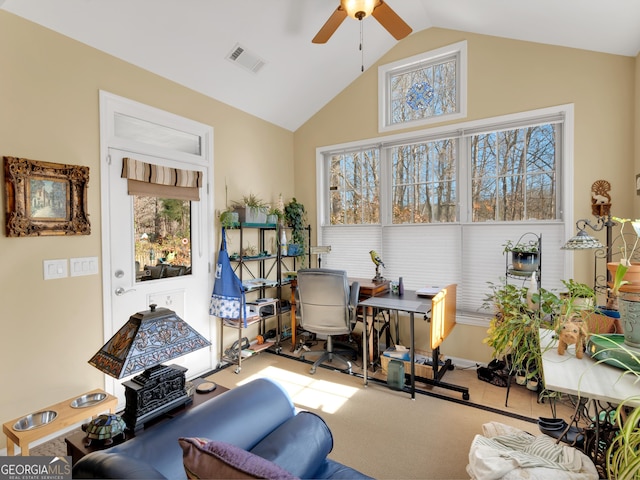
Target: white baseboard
column 463, row 363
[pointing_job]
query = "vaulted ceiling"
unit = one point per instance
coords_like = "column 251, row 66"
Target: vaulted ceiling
column 188, row 41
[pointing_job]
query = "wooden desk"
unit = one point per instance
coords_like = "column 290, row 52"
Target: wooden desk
column 67, row 416
column 368, row 288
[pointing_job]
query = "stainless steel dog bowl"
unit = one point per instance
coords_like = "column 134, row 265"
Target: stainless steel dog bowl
column 35, row 420
column 88, row 400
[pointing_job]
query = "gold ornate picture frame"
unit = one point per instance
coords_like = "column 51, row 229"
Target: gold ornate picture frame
column 43, row 198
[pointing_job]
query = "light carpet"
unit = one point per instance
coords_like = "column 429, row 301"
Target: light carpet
column 379, row 431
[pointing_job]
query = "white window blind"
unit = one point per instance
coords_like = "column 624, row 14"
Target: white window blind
column 470, row 255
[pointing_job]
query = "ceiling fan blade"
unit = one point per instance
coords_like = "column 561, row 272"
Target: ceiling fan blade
column 331, row 25
column 391, row 21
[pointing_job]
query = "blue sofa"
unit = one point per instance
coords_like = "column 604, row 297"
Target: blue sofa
column 251, row 426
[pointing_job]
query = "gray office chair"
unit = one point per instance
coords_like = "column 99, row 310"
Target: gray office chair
column 326, row 306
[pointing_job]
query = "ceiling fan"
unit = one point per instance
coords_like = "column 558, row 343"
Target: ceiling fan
column 359, row 9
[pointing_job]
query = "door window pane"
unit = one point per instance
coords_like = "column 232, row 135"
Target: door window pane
column 149, row 133
column 162, row 229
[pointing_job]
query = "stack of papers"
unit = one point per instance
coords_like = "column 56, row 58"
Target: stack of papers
column 428, row 291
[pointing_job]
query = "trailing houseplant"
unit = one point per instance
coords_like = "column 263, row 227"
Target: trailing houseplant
column 295, row 216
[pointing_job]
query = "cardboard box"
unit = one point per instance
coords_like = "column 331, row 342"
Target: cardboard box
column 424, row 371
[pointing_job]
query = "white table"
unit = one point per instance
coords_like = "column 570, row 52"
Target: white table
column 598, row 386
column 584, row 378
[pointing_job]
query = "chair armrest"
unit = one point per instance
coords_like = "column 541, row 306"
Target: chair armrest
column 354, row 297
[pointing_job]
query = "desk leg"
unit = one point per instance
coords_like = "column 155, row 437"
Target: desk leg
column 364, row 345
column 370, row 340
column 293, row 317
column 412, row 353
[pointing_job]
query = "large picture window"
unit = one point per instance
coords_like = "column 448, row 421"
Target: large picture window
column 440, row 204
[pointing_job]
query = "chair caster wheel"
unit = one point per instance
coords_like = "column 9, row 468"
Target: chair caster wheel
column 312, row 370
column 237, row 370
column 465, row 396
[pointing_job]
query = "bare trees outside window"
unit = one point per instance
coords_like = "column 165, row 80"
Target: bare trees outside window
column 162, row 228
column 355, row 187
column 513, row 177
column 514, row 174
column 424, row 182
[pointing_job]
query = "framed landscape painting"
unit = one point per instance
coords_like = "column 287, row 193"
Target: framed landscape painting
column 43, row 198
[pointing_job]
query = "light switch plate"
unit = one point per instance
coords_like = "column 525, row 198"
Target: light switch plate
column 55, row 268
column 83, row 266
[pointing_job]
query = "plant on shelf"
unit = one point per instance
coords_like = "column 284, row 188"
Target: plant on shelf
column 229, row 218
column 276, row 213
column 513, row 332
column 524, row 255
column 295, row 217
column 255, row 208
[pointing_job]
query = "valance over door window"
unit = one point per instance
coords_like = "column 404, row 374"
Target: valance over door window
column 146, row 179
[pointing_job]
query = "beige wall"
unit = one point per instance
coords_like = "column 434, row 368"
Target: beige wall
column 49, row 112
column 506, row 76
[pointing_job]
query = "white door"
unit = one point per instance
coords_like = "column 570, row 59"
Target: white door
column 131, row 286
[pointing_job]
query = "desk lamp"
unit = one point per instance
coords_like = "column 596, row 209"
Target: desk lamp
column 141, row 345
column 319, row 250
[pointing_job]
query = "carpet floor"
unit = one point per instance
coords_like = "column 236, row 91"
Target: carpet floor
column 382, row 432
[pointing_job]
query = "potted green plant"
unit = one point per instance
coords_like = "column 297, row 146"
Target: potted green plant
column 274, row 215
column 229, row 218
column 253, row 208
column 524, row 255
column 577, row 297
column 513, row 332
column 295, row 216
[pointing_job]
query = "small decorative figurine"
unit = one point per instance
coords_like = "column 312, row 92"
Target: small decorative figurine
column 572, row 331
column 104, row 427
column 375, row 258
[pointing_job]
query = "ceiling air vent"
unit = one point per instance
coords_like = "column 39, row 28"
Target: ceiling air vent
column 241, row 56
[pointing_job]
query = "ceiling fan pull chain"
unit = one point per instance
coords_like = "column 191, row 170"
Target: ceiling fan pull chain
column 361, row 48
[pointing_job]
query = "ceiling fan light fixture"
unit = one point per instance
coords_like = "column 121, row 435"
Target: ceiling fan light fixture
column 358, row 9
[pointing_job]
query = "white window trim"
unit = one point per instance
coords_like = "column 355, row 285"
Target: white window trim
column 565, row 168
column 385, row 71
